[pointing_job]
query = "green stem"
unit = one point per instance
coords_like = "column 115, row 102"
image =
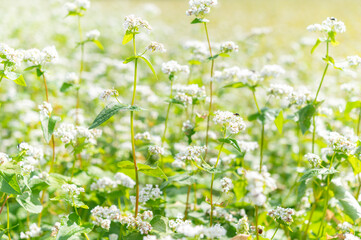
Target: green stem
column 80, row 71
column 73, row 168
column 132, row 130
column 274, row 234
column 256, row 218
column 8, row 219
column 187, row 203
column 210, row 90
column 309, row 220
column 212, row 207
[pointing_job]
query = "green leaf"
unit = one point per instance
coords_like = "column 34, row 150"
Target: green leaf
column 231, row 141
column 214, row 57
column 350, row 205
column 109, row 111
column 65, row 87
column 198, row 20
column 159, row 224
column 236, row 85
column 127, row 37
column 48, row 126
column 20, row 81
column 147, row 170
column 29, row 202
column 9, row 183
column 318, row 42
column 305, row 115
column 99, row 45
column 355, row 163
column 266, row 115
column 129, row 59
column 279, row 122
column 11, row 75
column 71, row 232
column 134, row 236
column 149, row 65
column 31, row 67
column 352, row 105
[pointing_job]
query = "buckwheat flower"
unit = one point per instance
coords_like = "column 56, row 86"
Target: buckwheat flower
column 353, row 61
column 178, row 164
column 124, row 180
column 192, row 90
column 228, row 47
column 216, row 231
column 283, row 214
column 156, row 47
column 226, row 184
column 10, row 54
column 133, row 23
column 55, row 229
column 107, row 93
column 272, row 71
column 243, row 226
column 34, row 231
column 345, row 226
column 92, row 35
column 45, row 109
column 28, row 164
column 279, row 90
column 200, row 8
column 150, row 237
column 143, row 136
column 156, row 150
column 172, row 68
column 103, row 184
column 331, row 24
column 4, row 158
column 233, row 122
column 313, row 159
column 147, row 193
column 29, row 150
column 340, row 143
column 77, row 6
column 72, row 189
column 183, row 98
column 247, row 146
column 349, row 236
column 197, row 48
column 113, row 236
column 299, row 97
column 71, row 77
column 191, row 153
column 257, row 183
column 189, row 230
column 50, row 55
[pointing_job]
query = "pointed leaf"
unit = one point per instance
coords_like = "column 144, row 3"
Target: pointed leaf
column 29, row 202
column 149, row 65
column 279, row 122
column 9, row 183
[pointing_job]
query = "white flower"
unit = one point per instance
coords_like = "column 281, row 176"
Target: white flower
column 45, row 109
column 314, row 159
column 243, row 225
column 34, row 231
column 345, row 226
column 353, row 61
column 71, row 77
column 107, row 93
column 279, row 90
column 124, row 180
column 226, row 184
column 77, row 6
column 156, row 47
column 190, row 153
column 331, row 24
column 133, row 23
column 37, row 57
column 92, row 35
column 340, row 143
column 156, row 150
column 349, row 236
column 200, row 8
column 172, row 67
column 228, row 47
column 284, row 214
column 55, row 229
column 4, row 158
column 272, row 71
column 143, row 136
column 69, row 133
column 233, row 122
column 72, row 189
column 215, row 231
column 11, row 55
column 147, row 193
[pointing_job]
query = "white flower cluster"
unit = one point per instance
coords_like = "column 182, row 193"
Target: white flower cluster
column 147, row 193
column 353, row 61
column 45, row 109
column 55, row 229
column 68, row 133
column 143, row 136
column 242, row 225
column 36, row 57
column 156, row 47
column 226, row 184
column 72, row 189
column 31, row 157
column 200, row 8
column 92, row 35
column 187, row 93
column 247, row 146
column 245, row 76
column 4, row 158
column 190, row 153
column 331, row 24
column 34, row 231
column 197, row 48
column 257, row 182
column 284, row 214
column 77, row 6
column 313, row 159
column 133, row 23
column 183, row 98
column 106, row 183
column 272, row 71
column 10, row 54
column 233, row 122
column 345, row 226
column 107, row 93
column 71, row 77
column 156, row 150
column 103, row 216
column 228, row 47
column 124, row 180
column 349, row 236
column 299, row 97
column 186, row 228
column 172, row 68
column 279, row 90
column 340, row 143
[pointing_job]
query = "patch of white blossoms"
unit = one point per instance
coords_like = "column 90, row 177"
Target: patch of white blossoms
column 133, row 23
column 69, row 133
column 279, row 90
column 340, row 143
column 107, row 184
column 147, row 193
column 107, row 93
column 233, row 122
column 4, row 158
column 228, row 47
column 187, row 94
column 186, row 228
column 353, row 61
column 72, row 189
column 200, row 8
column 36, row 57
column 172, row 68
column 226, row 184
column 156, row 47
column 272, row 71
column 34, row 231
column 31, row 157
column 313, row 159
column 45, row 109
column 11, row 55
column 331, row 24
column 77, row 6
column 156, row 150
column 188, row 154
column 92, row 35
column 283, row 214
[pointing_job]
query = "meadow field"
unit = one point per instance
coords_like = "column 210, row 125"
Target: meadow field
column 177, row 119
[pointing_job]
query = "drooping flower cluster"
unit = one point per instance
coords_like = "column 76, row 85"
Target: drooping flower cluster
column 72, row 189
column 226, row 184
column 156, row 47
column 77, row 7
column 105, row 95
column 4, row 158
column 92, row 35
column 34, row 231
column 189, row 154
column 232, row 122
column 172, row 68
column 313, row 159
column 200, row 8
column 46, row 56
column 282, row 214
column 331, row 24
column 147, row 193
column 103, row 216
column 133, row 24
column 69, row 133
